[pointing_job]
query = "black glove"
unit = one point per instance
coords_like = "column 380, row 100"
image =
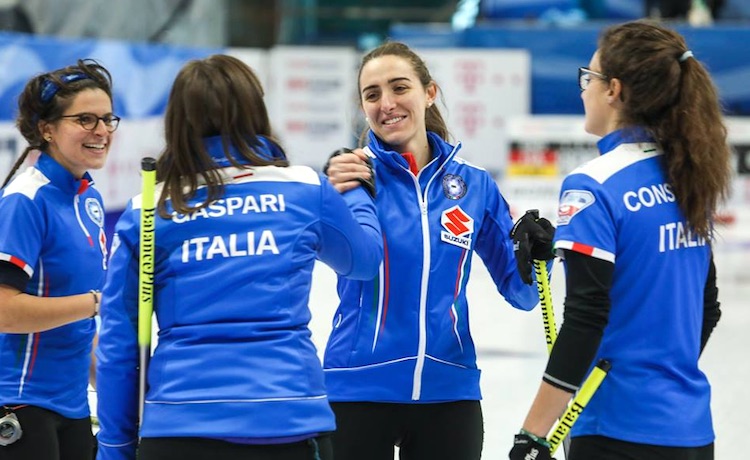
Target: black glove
column 368, row 184
column 527, row 446
column 532, row 239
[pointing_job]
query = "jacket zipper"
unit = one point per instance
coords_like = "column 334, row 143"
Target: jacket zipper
column 76, row 201
column 416, row 392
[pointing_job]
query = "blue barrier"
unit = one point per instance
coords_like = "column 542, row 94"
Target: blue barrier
column 546, row 9
column 142, row 73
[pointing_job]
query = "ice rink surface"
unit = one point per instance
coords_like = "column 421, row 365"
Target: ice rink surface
column 512, row 350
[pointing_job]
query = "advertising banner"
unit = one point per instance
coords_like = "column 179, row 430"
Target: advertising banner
column 311, row 98
column 481, row 91
column 544, row 149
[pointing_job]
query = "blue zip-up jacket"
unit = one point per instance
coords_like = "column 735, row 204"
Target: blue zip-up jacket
column 52, row 227
column 404, row 336
column 234, row 358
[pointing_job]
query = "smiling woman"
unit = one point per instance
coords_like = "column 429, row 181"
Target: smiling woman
column 52, row 215
column 77, row 140
column 400, row 363
column 394, row 102
column 50, row 101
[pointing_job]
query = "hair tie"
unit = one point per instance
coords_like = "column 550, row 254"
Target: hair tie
column 687, row 54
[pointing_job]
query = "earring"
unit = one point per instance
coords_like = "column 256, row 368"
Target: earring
column 48, row 139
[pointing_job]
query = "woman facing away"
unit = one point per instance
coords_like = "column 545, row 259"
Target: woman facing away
column 53, row 257
column 635, row 230
column 400, row 362
column 235, row 374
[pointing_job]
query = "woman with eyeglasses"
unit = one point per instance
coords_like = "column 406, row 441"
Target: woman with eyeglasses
column 53, row 259
column 635, row 229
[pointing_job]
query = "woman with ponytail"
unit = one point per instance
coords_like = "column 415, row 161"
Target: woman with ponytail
column 635, row 228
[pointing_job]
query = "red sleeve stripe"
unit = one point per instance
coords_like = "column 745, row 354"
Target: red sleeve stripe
column 586, row 249
column 18, row 263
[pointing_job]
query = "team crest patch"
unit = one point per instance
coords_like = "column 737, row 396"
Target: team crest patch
column 571, row 203
column 454, row 186
column 458, row 227
column 95, row 211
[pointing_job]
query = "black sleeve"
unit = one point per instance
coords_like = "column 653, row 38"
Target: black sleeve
column 588, row 281
column 13, row 275
column 711, row 310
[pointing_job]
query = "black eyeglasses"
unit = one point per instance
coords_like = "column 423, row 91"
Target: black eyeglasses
column 584, row 77
column 89, row 121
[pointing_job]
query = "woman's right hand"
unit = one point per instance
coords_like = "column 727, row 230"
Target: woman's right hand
column 532, row 240
column 347, row 169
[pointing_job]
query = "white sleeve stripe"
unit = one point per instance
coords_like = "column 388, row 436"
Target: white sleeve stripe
column 106, row 444
column 585, row 249
column 560, row 383
column 18, row 263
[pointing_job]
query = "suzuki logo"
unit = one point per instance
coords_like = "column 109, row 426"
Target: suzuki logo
column 456, row 221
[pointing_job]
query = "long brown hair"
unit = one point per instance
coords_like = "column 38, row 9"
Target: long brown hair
column 216, row 96
column 667, row 90
column 48, row 95
column 433, row 118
